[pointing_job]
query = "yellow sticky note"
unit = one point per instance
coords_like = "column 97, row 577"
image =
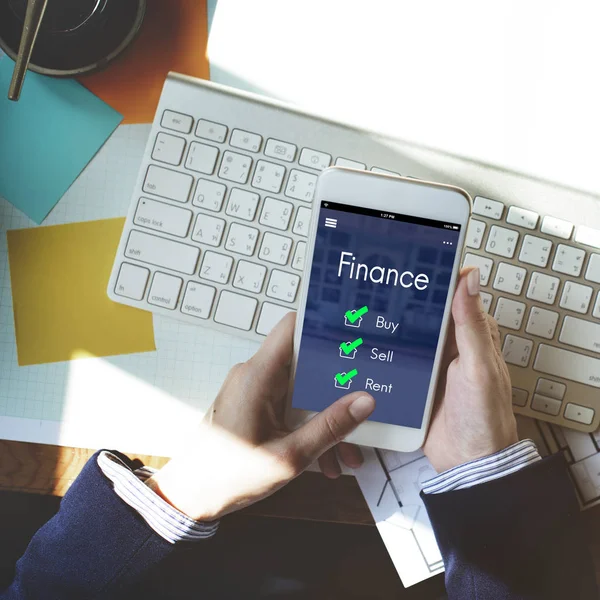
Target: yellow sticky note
column 58, row 276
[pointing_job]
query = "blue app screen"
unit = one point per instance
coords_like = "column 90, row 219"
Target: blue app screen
column 376, row 298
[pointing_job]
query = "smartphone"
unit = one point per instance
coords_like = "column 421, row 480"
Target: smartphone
column 382, row 261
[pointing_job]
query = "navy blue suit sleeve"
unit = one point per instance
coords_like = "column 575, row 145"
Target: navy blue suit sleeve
column 516, row 537
column 95, row 546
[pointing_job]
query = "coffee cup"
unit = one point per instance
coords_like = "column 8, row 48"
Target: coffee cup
column 75, row 37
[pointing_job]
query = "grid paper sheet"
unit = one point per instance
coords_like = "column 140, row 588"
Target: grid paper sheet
column 156, row 395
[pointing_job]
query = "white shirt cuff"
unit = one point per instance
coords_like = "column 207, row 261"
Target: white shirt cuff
column 171, row 524
column 484, row 469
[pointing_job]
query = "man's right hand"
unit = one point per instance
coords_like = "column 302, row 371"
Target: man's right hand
column 473, row 415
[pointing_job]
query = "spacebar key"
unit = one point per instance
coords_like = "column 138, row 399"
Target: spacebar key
column 162, row 252
column 570, row 365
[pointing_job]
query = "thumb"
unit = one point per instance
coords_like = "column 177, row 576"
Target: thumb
column 472, row 331
column 328, row 428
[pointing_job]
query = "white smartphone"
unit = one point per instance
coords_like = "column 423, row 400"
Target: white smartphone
column 381, row 265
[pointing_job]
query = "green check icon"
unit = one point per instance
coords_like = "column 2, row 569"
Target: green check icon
column 344, row 378
column 355, row 315
column 348, row 347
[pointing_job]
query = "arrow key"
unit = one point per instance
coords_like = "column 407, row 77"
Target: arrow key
column 522, row 217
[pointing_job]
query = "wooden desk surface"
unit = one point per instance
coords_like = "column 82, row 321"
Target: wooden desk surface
column 43, row 469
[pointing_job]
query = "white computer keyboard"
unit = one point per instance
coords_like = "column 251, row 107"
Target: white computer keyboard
column 216, row 236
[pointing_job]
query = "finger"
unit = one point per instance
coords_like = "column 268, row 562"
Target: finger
column 208, row 415
column 472, row 330
column 277, row 349
column 450, row 349
column 329, row 464
column 350, row 454
column 326, row 429
column 495, row 332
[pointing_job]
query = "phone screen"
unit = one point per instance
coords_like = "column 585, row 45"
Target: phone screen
column 378, row 287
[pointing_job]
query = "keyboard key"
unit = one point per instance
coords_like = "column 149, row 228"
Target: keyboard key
column 543, row 288
column 581, row 446
column 486, row 301
column 211, row 131
column 485, row 266
column 488, row 208
column 198, row 300
column 161, row 252
column 579, row 414
column 546, row 405
column 580, row 333
column 568, row 260
column 275, row 248
column 299, row 254
column 384, row 171
column 517, row 350
column 242, row 239
column 522, row 217
column 350, row 164
column 568, row 365
column 164, row 290
column 302, row 222
column 283, row 286
column 132, row 281
column 596, row 311
column 314, row 159
column 209, row 195
column 551, row 389
column 176, row 121
column 162, row 217
column 587, row 472
column 592, row 272
column 576, row 297
column 588, row 236
column 242, row 204
column 509, row 313
column 281, row 150
column 236, row 310
column 249, row 276
column 509, row 278
column 542, row 322
column 557, row 227
column 475, row 233
column 301, row 185
column 167, row 183
column 216, row 267
column 502, row 241
column 235, row 167
column 276, row 213
column 270, row 315
column 208, row 230
column 535, row 251
column 168, row 148
column 519, row 397
column 244, row 140
column 268, row 177
column 201, row 158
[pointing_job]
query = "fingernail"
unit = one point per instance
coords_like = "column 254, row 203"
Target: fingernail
column 332, row 473
column 362, row 407
column 473, row 282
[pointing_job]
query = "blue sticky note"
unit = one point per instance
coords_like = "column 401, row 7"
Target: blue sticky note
column 47, row 138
